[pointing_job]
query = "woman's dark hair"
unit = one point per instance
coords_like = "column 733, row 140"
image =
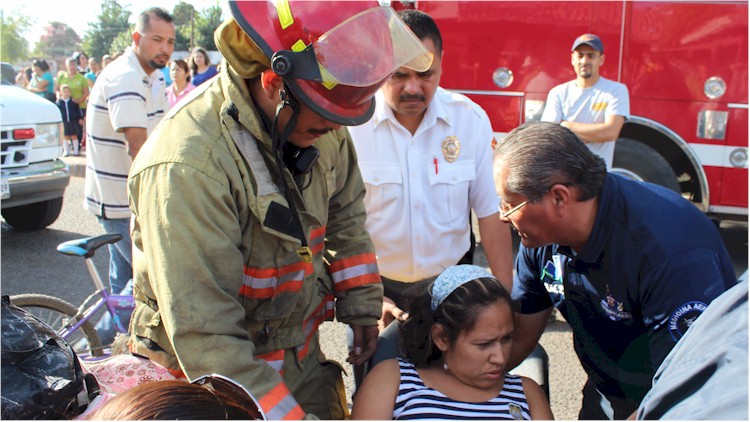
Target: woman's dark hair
column 191, row 62
column 77, row 56
column 183, row 65
column 458, row 312
column 171, row 400
column 41, row 64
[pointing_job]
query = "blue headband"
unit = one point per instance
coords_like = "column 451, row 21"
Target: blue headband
column 453, row 278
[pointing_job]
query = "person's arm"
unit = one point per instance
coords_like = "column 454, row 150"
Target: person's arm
column 694, row 276
column 498, row 248
column 376, row 397
column 364, row 343
column 528, row 329
column 390, row 313
column 58, row 82
column 597, row 132
column 351, row 254
column 531, row 300
column 136, row 137
column 40, row 85
column 127, row 109
column 617, row 111
column 483, row 200
column 553, row 107
column 85, row 94
column 539, row 407
column 186, row 240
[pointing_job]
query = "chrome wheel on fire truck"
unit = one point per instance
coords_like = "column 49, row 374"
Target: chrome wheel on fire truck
column 638, row 161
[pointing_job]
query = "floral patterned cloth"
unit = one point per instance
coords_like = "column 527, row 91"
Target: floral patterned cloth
column 118, row 373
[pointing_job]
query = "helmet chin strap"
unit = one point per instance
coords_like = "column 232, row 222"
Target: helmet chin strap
column 287, row 100
column 278, row 141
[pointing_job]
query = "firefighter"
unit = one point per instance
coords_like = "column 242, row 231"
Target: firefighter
column 247, row 202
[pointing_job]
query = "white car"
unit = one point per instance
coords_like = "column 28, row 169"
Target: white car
column 32, row 177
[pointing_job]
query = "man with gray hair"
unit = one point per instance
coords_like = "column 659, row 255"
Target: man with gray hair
column 630, row 265
column 127, row 101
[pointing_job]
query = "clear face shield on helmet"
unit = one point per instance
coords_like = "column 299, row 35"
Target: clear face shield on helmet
column 360, row 52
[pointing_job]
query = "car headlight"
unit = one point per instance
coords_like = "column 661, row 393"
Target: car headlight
column 47, row 135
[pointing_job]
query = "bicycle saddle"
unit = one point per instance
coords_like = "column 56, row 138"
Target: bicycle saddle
column 85, row 247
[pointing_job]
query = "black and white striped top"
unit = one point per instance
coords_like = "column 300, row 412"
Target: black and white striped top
column 417, row 401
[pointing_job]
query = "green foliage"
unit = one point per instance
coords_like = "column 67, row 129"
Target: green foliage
column 59, row 40
column 122, row 41
column 183, row 15
column 111, row 22
column 198, row 26
column 13, row 44
column 205, row 26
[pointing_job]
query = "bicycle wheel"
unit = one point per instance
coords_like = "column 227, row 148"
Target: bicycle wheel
column 59, row 314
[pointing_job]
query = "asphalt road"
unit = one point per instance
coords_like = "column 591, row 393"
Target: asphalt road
column 30, row 264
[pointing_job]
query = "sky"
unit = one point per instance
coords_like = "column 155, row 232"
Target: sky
column 78, row 13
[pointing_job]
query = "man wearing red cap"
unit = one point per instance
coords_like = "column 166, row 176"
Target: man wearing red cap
column 593, row 107
column 249, row 221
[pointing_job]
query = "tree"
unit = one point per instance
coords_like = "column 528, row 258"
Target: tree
column 13, row 44
column 122, row 41
column 59, row 40
column 112, row 20
column 183, row 15
column 205, row 26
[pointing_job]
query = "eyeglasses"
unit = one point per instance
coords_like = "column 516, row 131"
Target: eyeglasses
column 232, row 390
column 505, row 213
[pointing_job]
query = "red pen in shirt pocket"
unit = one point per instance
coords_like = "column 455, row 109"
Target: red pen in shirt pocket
column 435, row 161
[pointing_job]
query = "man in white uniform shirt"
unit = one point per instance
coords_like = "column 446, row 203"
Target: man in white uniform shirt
column 593, row 107
column 426, row 159
column 127, row 101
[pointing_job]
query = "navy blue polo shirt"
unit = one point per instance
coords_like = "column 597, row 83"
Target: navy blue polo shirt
column 652, row 264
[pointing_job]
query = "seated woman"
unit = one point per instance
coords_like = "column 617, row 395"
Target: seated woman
column 457, row 339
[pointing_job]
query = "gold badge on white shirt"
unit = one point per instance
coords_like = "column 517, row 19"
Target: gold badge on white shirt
column 451, row 148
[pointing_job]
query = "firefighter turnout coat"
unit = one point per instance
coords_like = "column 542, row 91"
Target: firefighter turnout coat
column 218, row 282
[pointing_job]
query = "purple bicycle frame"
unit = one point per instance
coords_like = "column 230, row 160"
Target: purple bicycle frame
column 113, row 304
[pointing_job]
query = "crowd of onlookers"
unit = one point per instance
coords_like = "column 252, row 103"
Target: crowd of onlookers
column 70, row 88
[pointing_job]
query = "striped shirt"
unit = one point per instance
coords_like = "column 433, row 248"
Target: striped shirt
column 417, row 401
column 123, row 96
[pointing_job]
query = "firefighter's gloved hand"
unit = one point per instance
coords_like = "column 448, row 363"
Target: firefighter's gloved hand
column 364, row 344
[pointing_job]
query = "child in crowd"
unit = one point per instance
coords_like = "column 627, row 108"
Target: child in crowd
column 456, row 339
column 72, row 120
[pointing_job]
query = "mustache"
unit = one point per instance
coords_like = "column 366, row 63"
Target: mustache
column 409, row 97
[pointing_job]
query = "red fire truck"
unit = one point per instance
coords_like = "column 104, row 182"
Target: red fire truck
column 685, row 64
